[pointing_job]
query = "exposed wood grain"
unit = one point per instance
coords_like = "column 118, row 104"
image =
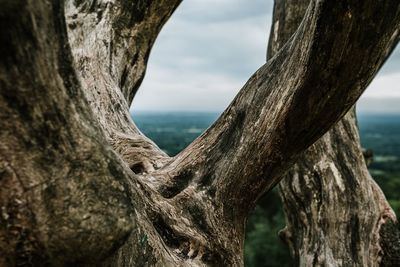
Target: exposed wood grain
column 80, row 185
column 336, row 214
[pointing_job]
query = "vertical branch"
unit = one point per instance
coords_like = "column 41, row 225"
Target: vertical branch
column 333, row 207
column 64, row 194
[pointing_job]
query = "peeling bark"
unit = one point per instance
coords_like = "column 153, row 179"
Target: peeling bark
column 336, row 214
column 80, row 185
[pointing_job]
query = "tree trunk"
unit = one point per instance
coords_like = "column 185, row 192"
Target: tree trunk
column 336, row 214
column 80, row 185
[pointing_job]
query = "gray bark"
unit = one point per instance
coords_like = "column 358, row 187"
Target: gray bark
column 336, row 214
column 81, row 185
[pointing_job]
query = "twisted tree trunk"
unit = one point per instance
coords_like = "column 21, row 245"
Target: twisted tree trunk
column 80, row 185
column 336, row 214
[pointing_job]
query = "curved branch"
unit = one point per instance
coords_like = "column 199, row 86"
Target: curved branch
column 111, row 43
column 117, row 36
column 288, row 103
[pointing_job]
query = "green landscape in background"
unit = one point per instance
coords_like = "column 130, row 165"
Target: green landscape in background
column 173, row 131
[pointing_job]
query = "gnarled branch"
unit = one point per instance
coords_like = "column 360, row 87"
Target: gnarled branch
column 336, row 213
column 111, row 43
column 53, row 155
column 288, row 103
column 68, row 136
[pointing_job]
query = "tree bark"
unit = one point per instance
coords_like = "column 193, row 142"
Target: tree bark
column 81, row 185
column 336, row 214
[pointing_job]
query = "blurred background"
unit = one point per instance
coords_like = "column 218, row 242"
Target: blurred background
column 202, row 58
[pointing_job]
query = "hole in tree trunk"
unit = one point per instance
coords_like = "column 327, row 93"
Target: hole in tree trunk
column 137, row 168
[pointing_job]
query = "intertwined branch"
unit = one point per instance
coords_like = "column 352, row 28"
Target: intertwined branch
column 67, row 138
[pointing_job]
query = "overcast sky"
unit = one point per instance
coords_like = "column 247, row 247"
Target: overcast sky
column 209, row 49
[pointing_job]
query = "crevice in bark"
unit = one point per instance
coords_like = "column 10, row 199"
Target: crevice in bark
column 179, row 183
column 171, row 239
column 137, row 168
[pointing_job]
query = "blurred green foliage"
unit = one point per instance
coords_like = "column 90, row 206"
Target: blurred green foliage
column 263, row 247
column 381, row 134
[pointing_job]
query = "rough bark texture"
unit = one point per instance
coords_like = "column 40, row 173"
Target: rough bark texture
column 336, row 214
column 61, row 187
column 80, row 185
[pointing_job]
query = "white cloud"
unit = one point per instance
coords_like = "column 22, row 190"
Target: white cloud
column 384, row 86
column 199, row 92
column 202, row 59
column 208, row 50
column 378, row 105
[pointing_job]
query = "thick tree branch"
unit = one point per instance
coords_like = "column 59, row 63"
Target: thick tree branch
column 336, row 213
column 288, row 103
column 118, row 36
column 334, row 196
column 69, row 197
column 53, row 154
column 66, row 197
column 111, row 43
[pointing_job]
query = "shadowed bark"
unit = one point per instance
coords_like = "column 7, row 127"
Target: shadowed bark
column 336, row 214
column 80, row 185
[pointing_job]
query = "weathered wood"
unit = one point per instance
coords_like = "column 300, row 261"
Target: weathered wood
column 284, row 106
column 111, row 43
column 336, row 214
column 82, row 186
column 63, row 192
column 342, row 211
